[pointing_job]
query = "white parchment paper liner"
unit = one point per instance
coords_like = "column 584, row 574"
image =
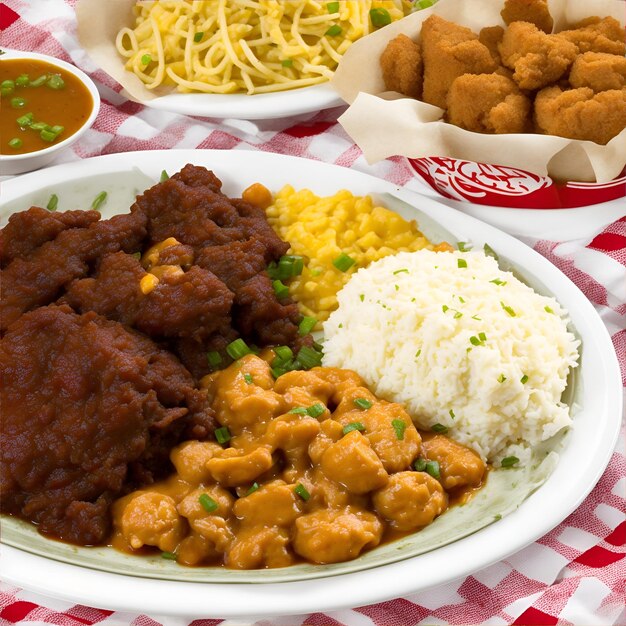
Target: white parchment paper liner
column 385, row 124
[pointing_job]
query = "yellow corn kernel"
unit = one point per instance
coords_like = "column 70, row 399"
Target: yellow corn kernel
column 148, row 283
column 151, row 255
column 162, row 271
column 258, row 195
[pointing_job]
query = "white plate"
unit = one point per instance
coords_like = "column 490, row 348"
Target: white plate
column 588, row 450
column 263, row 106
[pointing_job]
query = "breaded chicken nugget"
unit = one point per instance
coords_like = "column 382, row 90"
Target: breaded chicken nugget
column 538, row 59
column 598, row 70
column 534, row 11
column 491, row 36
column 449, row 51
column 401, row 63
column 581, row 114
column 488, row 103
column 597, row 35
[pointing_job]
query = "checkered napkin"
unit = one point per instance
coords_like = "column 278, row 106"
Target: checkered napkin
column 573, row 575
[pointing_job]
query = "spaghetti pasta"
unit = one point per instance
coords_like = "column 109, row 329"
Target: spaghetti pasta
column 249, row 46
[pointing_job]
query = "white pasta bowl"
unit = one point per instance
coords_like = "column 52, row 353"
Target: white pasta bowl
column 11, row 164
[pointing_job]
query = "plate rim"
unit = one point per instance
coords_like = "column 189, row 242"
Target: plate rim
column 106, row 590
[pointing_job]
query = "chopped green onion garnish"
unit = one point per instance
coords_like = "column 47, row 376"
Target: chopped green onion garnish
column 222, row 435
column 39, row 126
column 55, row 82
column 424, row 4
column 15, row 143
column 444, row 307
column 361, row 297
column 299, row 410
column 164, row 176
column 248, row 378
column 306, row 325
column 461, row 263
column 475, row 341
column 57, row 130
column 18, row 103
column 53, row 202
column 508, row 309
column 458, row 314
column 334, row 30
column 482, row 336
column 439, row 428
column 254, row 487
column 25, row 120
column 475, row 317
column 501, row 378
column 280, row 289
column 403, row 270
column 7, row 84
column 38, row 82
column 136, row 255
column 145, row 59
column 548, row 309
column 170, row 556
column 214, row 358
column 523, row 379
column 309, row 358
column 452, row 415
column 198, row 36
column 380, row 17
column 316, row 410
column 287, row 62
column 99, row 200
column 22, row 80
column 362, row 403
column 399, row 426
column 509, row 461
column 420, row 465
column 432, row 468
column 489, row 251
column 461, row 300
column 418, row 353
column 497, row 281
column 348, row 428
column 207, row 503
column 302, row 492
column 237, row 349
column 284, row 353
column 48, row 135
column 343, row 262
column 463, row 246
column 397, row 287
column 332, row 7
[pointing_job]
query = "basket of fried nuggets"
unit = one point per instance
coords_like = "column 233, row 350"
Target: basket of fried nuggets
column 520, row 78
column 517, row 77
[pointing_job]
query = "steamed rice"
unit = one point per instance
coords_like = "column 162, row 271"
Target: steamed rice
column 461, row 344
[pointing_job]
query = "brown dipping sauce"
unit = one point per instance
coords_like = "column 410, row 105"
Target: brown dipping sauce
column 68, row 105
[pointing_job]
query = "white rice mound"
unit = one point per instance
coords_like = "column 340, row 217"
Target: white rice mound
column 407, row 322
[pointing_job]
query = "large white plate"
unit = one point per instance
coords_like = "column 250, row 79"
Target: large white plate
column 593, row 436
column 263, row 106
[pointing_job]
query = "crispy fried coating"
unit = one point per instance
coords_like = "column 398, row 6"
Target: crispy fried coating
column 597, row 35
column 537, row 59
column 599, row 71
column 581, row 114
column 491, row 36
column 534, row 11
column 449, row 51
column 401, row 64
column 488, row 103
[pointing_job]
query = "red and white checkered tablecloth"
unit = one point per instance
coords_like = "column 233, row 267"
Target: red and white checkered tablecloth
column 573, row 575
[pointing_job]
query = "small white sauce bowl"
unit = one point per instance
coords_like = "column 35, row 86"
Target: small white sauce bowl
column 11, row 164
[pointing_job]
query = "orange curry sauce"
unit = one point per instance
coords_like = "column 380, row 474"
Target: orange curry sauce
column 69, row 105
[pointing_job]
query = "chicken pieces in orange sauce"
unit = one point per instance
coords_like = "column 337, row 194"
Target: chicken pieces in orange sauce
column 312, row 466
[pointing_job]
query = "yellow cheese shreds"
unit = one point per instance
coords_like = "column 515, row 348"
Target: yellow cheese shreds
column 322, row 228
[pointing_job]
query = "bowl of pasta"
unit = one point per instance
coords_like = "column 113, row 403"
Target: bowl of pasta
column 208, row 58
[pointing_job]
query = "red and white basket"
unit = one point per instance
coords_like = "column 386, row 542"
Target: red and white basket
column 495, row 185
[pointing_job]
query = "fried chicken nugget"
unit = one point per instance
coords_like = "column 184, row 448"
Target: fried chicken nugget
column 597, row 35
column 581, row 114
column 449, row 51
column 534, row 11
column 538, row 59
column 491, row 36
column 401, row 63
column 488, row 103
column 599, row 71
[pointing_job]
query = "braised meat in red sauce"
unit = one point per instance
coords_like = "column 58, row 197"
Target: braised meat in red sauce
column 89, row 408
column 107, row 325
